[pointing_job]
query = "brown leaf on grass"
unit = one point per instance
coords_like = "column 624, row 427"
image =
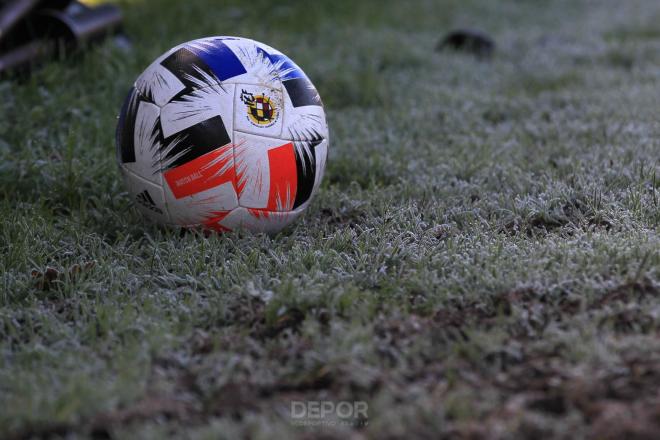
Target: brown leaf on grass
column 538, row 223
column 48, row 278
column 44, row 280
column 292, row 319
column 441, row 232
column 545, row 223
column 77, row 269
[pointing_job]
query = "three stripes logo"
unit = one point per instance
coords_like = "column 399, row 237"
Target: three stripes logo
column 144, row 199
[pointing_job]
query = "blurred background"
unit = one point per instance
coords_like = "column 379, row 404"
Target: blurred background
column 481, row 262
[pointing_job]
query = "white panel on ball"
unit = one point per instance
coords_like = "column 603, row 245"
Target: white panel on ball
column 259, row 69
column 321, row 158
column 259, row 221
column 265, row 172
column 303, row 123
column 147, row 196
column 198, row 106
column 158, row 83
column 258, row 110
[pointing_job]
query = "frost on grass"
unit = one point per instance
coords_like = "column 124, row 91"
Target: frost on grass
column 481, row 261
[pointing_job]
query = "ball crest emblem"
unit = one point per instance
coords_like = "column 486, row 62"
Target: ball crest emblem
column 262, row 110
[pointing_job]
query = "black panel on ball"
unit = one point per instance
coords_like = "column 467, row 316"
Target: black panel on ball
column 125, row 133
column 302, row 92
column 306, row 169
column 193, row 142
column 185, row 65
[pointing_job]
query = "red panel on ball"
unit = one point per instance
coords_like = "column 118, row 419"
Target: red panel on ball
column 283, row 178
column 208, row 171
column 213, row 222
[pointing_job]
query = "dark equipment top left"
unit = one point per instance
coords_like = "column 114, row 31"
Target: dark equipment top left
column 32, row 31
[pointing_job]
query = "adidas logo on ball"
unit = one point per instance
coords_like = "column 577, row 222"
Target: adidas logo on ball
column 144, row 199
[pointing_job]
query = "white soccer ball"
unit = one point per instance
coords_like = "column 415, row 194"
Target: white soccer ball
column 223, row 133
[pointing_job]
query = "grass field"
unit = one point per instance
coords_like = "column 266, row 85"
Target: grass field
column 483, row 259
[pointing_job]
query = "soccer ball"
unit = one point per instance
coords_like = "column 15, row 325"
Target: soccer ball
column 223, row 133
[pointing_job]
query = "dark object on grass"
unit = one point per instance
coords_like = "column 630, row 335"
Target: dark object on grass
column 13, row 12
column 79, row 25
column 474, row 42
column 34, row 30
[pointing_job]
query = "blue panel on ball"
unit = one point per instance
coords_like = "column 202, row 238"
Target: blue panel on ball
column 287, row 68
column 224, row 63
